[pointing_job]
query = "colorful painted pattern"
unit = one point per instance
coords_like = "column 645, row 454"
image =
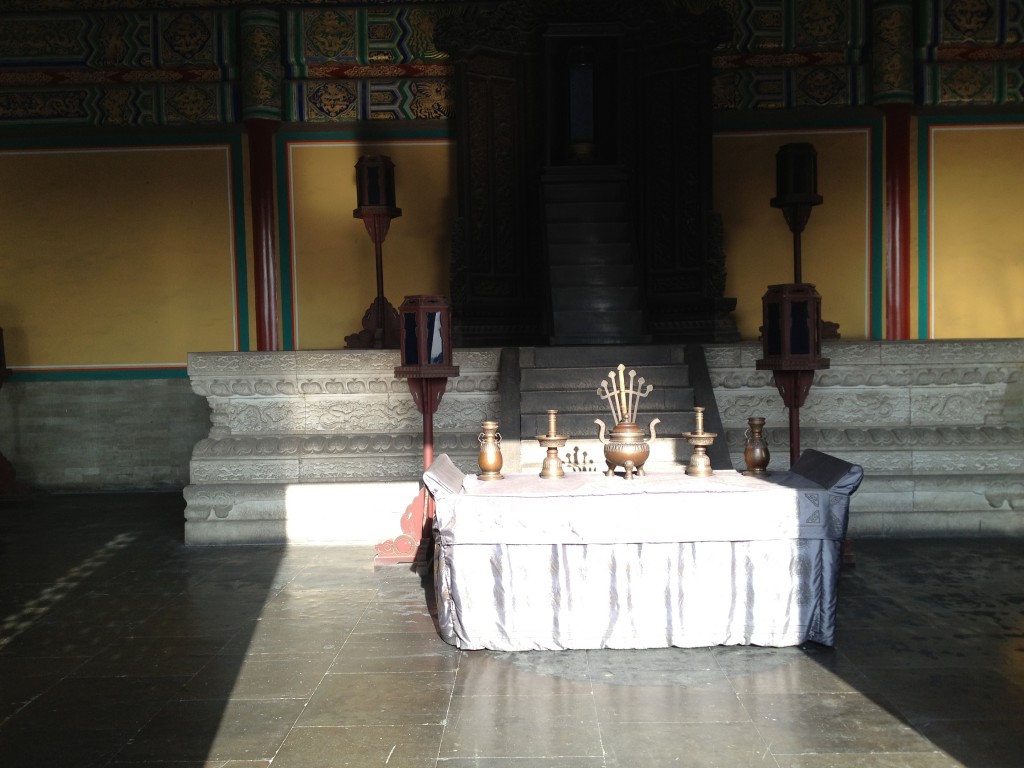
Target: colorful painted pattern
column 366, row 64
column 972, row 52
column 321, row 64
column 165, row 68
column 893, row 68
column 791, row 53
column 179, row 62
column 261, row 65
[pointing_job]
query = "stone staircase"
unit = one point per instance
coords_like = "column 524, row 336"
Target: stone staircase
column 594, row 280
column 567, row 379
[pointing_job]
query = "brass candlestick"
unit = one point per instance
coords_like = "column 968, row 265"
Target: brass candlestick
column 552, row 466
column 700, row 462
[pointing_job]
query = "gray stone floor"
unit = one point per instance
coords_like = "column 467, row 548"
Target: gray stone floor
column 121, row 647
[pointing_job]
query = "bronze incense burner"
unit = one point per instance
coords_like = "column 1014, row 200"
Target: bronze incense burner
column 625, row 445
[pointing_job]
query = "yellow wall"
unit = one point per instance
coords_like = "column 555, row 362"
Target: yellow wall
column 976, row 242
column 333, row 257
column 126, row 256
column 116, row 256
column 836, row 244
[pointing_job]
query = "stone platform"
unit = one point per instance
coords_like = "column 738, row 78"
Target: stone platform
column 320, row 446
column 937, row 425
column 326, row 447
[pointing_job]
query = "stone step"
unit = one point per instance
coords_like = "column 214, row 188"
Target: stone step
column 593, row 298
column 630, row 355
column 580, row 426
column 587, row 210
column 594, row 274
column 579, row 378
column 588, row 232
column 589, row 402
column 608, row 326
column 567, row 379
column 586, row 255
column 588, row 191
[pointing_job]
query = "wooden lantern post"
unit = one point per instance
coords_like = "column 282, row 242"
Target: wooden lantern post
column 791, row 320
column 426, row 349
column 375, row 198
column 791, row 338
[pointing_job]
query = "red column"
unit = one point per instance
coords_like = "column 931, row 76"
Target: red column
column 897, row 221
column 261, row 192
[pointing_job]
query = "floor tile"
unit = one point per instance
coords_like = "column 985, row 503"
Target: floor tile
column 665, row 745
column 830, row 722
column 981, row 743
column 789, row 670
column 668, row 704
column 392, row 746
column 509, row 674
column 873, row 760
column 412, row 698
column 256, row 677
column 215, row 730
column 522, row 726
column 121, row 648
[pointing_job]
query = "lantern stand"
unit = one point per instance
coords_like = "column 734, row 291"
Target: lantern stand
column 791, row 339
column 791, row 330
column 796, row 193
column 9, row 485
column 375, row 197
column 426, row 350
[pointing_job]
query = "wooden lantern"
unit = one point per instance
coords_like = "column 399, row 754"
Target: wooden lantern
column 791, row 330
column 791, row 341
column 375, row 198
column 426, row 340
column 426, row 356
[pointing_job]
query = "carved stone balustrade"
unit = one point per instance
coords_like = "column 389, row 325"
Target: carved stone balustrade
column 321, row 446
column 937, row 425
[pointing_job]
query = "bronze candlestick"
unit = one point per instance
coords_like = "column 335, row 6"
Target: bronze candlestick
column 552, row 466
column 700, row 462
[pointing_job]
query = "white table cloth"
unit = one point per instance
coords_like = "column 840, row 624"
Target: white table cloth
column 589, row 561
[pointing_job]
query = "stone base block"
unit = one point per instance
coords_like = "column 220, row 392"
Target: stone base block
column 296, row 513
column 946, row 505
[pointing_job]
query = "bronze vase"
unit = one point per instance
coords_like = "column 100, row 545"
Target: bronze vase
column 755, row 452
column 490, row 451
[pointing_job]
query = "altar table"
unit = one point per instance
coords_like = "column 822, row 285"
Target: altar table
column 589, row 561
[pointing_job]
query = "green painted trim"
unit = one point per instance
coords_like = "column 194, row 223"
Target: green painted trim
column 362, row 37
column 877, row 266
column 74, row 139
column 372, row 131
column 26, row 375
column 241, row 255
column 923, row 229
column 284, row 239
column 973, row 118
